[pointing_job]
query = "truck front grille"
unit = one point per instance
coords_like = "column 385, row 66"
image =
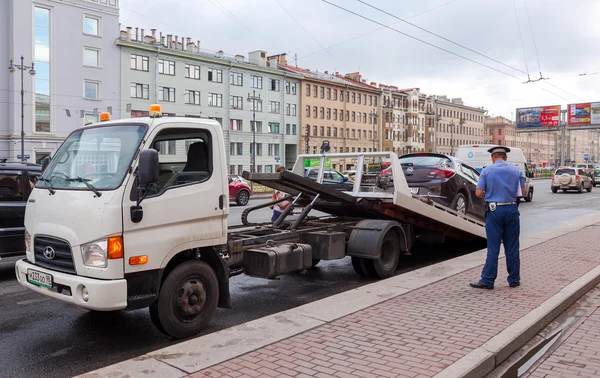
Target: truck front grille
column 58, row 254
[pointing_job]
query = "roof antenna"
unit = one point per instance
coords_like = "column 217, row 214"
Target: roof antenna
column 296, row 59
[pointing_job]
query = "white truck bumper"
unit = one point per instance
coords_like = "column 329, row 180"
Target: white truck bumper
column 104, row 295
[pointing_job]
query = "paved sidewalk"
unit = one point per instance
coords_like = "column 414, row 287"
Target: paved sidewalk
column 430, row 327
column 578, row 355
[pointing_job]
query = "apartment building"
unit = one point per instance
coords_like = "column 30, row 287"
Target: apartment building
column 457, row 124
column 408, row 120
column 71, row 46
column 344, row 110
column 189, row 82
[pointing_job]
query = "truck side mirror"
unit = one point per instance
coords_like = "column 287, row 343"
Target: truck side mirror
column 45, row 163
column 148, row 167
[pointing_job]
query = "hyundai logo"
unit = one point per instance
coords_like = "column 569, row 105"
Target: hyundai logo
column 49, row 253
column 409, row 170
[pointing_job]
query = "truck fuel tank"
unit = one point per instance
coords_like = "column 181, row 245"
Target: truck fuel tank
column 271, row 262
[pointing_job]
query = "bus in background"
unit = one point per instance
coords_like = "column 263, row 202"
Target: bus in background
column 478, row 157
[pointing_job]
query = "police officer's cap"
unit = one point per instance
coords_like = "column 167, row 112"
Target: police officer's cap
column 500, row 149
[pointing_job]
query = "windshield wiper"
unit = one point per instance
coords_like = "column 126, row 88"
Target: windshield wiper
column 48, row 184
column 85, row 181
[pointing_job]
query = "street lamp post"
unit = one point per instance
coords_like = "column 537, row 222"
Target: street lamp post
column 373, row 116
column 254, row 99
column 452, row 125
column 529, row 145
column 21, row 67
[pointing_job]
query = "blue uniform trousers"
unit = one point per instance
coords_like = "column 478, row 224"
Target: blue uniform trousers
column 502, row 225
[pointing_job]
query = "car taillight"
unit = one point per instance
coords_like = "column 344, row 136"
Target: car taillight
column 444, row 173
column 576, row 177
column 552, row 177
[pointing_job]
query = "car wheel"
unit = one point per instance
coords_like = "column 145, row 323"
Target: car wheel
column 460, row 204
column 529, row 197
column 580, row 190
column 554, row 190
column 594, row 184
column 589, row 189
column 242, row 198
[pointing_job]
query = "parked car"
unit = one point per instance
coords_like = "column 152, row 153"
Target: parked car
column 596, row 177
column 447, row 180
column 239, row 190
column 331, row 178
column 569, row 178
column 588, row 168
column 16, row 182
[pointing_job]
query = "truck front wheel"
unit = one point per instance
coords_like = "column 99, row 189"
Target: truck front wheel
column 187, row 300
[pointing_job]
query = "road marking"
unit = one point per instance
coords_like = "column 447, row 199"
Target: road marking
column 30, row 301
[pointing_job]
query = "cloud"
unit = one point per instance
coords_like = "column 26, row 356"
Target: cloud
column 565, row 37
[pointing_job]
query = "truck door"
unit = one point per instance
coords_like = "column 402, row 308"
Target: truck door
column 188, row 206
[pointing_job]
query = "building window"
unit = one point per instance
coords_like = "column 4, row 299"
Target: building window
column 192, row 71
column 192, row 97
column 329, row 131
column 347, row 96
column 348, row 115
column 92, row 90
column 364, row 117
column 139, row 91
column 235, row 124
column 307, row 90
column 166, row 94
column 214, row 75
column 294, row 113
column 322, row 92
column 166, row 67
column 374, row 100
column 328, row 113
column 293, row 88
column 91, row 57
column 273, row 149
column 235, row 149
column 335, row 95
column 287, row 87
column 236, row 102
column 258, row 126
column 139, row 62
column 91, row 25
column 322, row 130
column 236, row 78
column 259, row 150
column 335, row 132
column 274, row 107
column 288, row 109
column 315, row 90
column 314, row 112
column 314, row 130
column 274, row 85
column 288, row 129
column 273, row 128
column 256, row 82
column 41, row 43
column 308, row 111
column 322, row 112
column 335, row 114
column 365, row 99
column 294, row 131
column 215, row 100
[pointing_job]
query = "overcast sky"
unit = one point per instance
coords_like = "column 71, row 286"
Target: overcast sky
column 567, row 39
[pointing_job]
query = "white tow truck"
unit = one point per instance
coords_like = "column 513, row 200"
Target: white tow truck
column 132, row 213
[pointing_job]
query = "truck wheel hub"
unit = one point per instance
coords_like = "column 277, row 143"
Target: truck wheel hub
column 190, row 299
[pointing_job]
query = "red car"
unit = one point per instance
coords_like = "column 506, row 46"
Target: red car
column 239, row 190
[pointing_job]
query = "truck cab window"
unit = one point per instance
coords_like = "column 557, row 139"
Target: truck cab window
column 182, row 161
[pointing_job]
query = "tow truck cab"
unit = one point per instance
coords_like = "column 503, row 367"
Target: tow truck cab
column 98, row 238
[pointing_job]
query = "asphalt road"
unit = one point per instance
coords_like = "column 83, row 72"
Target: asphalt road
column 45, row 337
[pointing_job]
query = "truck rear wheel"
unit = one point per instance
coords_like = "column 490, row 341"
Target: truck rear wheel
column 187, row 300
column 364, row 267
column 386, row 264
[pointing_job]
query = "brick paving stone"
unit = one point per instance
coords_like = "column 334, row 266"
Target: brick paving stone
column 576, row 356
column 443, row 321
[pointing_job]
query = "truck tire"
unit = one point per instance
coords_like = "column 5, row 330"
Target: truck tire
column 187, row 300
column 386, row 264
column 364, row 267
column 315, row 262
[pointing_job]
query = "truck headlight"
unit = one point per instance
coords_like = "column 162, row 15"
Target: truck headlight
column 27, row 241
column 94, row 253
column 98, row 253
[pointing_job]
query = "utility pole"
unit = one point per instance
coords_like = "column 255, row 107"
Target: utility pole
column 563, row 132
column 373, row 116
column 254, row 99
column 452, row 125
column 21, row 67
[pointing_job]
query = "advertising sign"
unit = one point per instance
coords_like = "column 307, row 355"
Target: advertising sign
column 316, row 163
column 542, row 116
column 584, row 114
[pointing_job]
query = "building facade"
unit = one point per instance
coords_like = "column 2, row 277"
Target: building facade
column 189, row 82
column 457, row 124
column 343, row 110
column 76, row 71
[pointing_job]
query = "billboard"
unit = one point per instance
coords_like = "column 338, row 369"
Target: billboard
column 537, row 117
column 587, row 113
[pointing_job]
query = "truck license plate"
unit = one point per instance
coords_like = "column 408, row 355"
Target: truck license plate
column 414, row 190
column 39, row 278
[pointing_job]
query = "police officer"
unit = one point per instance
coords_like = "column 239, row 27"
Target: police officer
column 501, row 184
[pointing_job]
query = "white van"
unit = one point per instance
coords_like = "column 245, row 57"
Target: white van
column 478, row 157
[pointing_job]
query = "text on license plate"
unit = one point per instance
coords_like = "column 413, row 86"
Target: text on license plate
column 39, row 278
column 414, row 190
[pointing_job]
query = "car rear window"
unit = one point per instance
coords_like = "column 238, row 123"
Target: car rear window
column 563, row 171
column 428, row 161
column 597, row 172
column 11, row 187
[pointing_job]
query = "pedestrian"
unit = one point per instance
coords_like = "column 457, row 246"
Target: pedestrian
column 277, row 194
column 501, row 184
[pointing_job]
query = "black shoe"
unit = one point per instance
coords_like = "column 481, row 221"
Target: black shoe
column 481, row 285
column 516, row 284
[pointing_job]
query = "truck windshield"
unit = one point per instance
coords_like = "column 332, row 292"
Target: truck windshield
column 100, row 156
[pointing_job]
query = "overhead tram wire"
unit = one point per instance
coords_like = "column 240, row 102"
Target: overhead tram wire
column 435, row 46
column 307, row 33
column 537, row 56
column 378, row 29
column 522, row 44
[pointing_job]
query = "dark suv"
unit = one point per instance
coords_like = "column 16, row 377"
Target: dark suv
column 16, row 181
